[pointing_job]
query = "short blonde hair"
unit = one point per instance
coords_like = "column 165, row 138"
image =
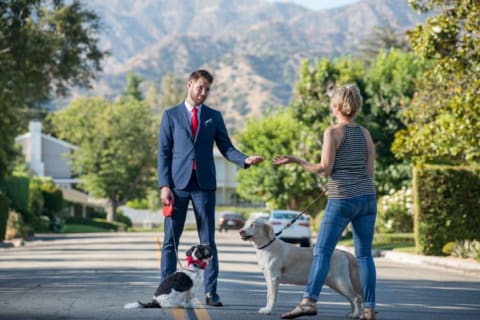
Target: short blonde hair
column 348, row 100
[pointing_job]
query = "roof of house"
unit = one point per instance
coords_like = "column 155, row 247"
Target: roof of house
column 48, row 137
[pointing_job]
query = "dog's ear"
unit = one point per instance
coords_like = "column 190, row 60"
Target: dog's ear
column 204, row 251
column 190, row 251
column 268, row 230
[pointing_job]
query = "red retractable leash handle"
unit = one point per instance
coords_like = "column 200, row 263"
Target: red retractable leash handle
column 167, row 211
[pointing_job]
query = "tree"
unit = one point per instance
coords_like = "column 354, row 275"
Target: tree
column 286, row 186
column 172, row 91
column 442, row 123
column 132, row 89
column 387, row 84
column 46, row 46
column 116, row 154
column 391, row 82
column 382, row 39
column 311, row 102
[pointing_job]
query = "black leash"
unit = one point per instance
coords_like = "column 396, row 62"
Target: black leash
column 302, row 212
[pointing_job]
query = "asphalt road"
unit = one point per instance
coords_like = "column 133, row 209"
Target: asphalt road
column 92, row 276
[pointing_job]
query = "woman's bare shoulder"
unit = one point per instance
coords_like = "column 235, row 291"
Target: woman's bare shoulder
column 336, row 133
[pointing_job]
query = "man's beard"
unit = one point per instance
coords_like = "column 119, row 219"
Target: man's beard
column 198, row 101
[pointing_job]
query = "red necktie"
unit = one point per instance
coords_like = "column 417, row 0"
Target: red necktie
column 194, row 121
column 194, row 130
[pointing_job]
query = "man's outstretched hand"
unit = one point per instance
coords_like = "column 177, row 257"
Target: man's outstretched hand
column 251, row 160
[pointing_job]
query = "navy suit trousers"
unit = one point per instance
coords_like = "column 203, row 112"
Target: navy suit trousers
column 203, row 202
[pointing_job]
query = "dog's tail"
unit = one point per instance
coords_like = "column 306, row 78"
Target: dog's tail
column 142, row 305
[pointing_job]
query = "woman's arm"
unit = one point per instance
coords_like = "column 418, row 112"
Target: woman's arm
column 324, row 168
column 371, row 153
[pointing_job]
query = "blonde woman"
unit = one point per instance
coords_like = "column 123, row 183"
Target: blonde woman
column 348, row 162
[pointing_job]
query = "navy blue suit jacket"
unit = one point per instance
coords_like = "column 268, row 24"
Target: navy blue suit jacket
column 177, row 148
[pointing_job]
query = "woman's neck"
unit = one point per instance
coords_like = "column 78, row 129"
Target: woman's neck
column 345, row 121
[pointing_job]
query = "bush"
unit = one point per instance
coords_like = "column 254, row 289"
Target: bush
column 35, row 200
column 52, row 197
column 138, row 204
column 395, row 212
column 16, row 189
column 449, row 247
column 124, row 219
column 466, row 249
column 4, row 204
column 53, row 204
column 446, row 206
column 93, row 222
column 98, row 214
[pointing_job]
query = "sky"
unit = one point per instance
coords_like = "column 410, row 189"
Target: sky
column 319, row 4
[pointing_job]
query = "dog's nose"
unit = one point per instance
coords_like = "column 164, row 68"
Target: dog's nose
column 242, row 233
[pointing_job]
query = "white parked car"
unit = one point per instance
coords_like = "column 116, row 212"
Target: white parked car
column 261, row 215
column 298, row 232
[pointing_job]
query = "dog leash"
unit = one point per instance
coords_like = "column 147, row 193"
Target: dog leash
column 176, row 252
column 301, row 213
column 175, row 245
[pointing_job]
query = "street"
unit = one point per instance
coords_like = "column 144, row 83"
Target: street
column 91, row 276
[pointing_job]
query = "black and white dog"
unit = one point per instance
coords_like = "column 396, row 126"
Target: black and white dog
column 178, row 289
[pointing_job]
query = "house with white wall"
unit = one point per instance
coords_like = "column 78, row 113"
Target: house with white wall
column 226, row 179
column 47, row 156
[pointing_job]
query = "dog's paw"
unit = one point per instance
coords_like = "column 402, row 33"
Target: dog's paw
column 353, row 315
column 264, row 310
column 132, row 305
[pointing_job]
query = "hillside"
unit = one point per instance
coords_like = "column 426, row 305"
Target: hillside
column 253, row 47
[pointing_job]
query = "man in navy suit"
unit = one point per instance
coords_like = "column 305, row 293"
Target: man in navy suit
column 186, row 171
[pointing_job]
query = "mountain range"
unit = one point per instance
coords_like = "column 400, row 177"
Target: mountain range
column 253, row 47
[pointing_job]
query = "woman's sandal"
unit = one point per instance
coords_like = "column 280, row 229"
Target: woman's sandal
column 368, row 314
column 303, row 309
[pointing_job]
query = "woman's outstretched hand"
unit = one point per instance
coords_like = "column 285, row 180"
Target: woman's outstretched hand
column 280, row 160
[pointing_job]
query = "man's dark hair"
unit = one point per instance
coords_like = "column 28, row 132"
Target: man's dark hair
column 195, row 75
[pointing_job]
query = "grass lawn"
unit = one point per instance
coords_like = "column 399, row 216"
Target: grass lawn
column 81, row 228
column 395, row 241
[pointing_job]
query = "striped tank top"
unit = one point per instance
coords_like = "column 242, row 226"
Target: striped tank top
column 349, row 176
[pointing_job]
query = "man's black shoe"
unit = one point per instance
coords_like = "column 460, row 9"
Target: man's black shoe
column 213, row 301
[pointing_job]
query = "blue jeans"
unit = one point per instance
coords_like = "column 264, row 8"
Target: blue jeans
column 361, row 211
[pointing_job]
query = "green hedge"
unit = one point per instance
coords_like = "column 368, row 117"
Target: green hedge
column 447, row 206
column 4, row 205
column 52, row 197
column 16, row 189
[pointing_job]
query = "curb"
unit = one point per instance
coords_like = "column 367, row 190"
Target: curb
column 458, row 265
column 448, row 263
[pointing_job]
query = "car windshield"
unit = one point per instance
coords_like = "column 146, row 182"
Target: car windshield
column 286, row 216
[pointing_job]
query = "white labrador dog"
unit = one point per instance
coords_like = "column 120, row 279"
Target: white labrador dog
column 282, row 262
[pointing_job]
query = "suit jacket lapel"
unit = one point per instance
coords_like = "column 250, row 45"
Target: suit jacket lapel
column 204, row 114
column 185, row 119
